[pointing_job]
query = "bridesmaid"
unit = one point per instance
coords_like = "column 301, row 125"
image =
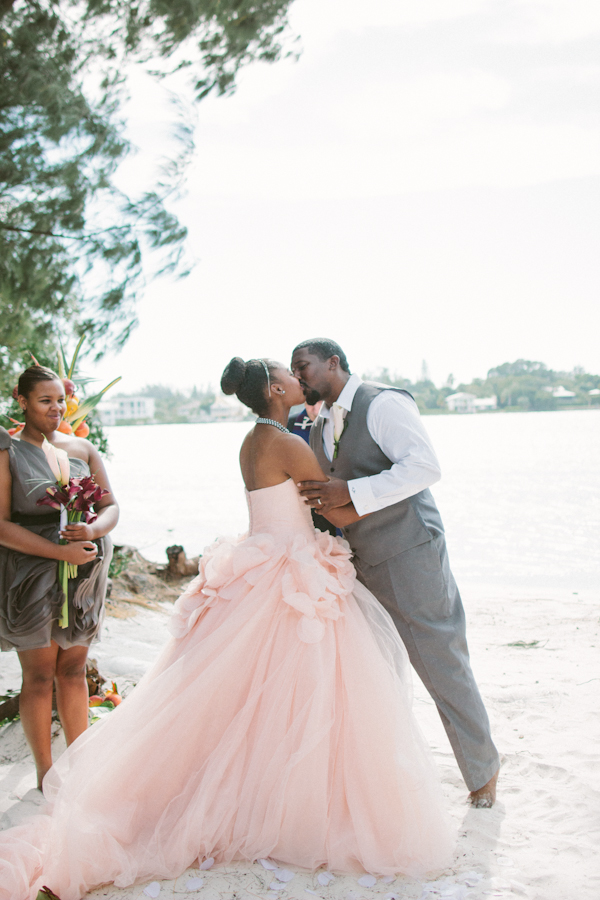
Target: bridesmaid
column 30, row 598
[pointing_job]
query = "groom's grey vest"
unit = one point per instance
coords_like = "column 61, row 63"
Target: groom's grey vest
column 388, row 531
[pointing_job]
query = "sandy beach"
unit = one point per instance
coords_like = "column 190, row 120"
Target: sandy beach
column 537, row 665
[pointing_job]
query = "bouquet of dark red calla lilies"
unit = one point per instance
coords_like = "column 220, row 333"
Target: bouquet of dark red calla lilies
column 75, row 498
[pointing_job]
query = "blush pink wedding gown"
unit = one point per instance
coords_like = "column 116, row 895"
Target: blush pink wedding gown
column 276, row 723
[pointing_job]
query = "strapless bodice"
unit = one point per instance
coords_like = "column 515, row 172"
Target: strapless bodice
column 279, row 510
column 313, row 567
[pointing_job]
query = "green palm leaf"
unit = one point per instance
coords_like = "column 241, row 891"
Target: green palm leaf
column 75, row 355
column 77, row 417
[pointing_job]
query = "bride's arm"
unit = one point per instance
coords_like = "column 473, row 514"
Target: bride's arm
column 341, row 516
column 300, row 463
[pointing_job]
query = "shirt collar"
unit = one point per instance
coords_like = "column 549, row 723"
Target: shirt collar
column 346, row 397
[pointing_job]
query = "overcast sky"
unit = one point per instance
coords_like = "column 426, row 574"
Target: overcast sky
column 424, row 183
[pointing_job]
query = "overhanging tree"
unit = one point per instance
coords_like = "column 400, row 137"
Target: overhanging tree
column 73, row 247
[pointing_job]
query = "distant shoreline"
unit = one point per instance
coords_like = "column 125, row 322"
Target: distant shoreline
column 424, row 412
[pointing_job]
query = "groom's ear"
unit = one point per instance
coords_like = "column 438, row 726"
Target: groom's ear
column 334, row 362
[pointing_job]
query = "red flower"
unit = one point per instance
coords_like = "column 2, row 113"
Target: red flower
column 79, row 494
column 48, row 501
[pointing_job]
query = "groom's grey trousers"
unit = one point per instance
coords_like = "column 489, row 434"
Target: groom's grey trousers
column 400, row 556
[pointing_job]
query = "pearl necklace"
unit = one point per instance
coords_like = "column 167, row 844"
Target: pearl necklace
column 261, row 421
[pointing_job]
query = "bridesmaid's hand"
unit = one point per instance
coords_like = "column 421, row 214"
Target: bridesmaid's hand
column 77, row 531
column 79, row 552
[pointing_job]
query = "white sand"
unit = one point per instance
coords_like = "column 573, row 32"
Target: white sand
column 542, row 838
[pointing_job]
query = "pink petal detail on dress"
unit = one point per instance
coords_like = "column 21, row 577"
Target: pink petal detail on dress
column 311, row 631
column 316, row 577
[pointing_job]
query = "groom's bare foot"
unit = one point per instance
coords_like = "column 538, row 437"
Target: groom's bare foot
column 485, row 797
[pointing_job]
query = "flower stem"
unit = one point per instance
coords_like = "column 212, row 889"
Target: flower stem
column 63, row 580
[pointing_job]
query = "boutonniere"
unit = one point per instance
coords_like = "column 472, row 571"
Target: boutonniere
column 339, row 425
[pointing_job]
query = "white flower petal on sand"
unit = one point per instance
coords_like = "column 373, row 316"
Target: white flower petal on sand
column 152, row 890
column 367, row 881
column 324, row 878
column 194, row 884
column 448, row 890
column 207, row 864
column 283, row 875
column 308, row 891
column 276, row 887
column 470, row 878
column 267, row 864
column 388, row 879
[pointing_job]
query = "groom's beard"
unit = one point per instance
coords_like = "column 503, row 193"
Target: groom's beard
column 311, row 396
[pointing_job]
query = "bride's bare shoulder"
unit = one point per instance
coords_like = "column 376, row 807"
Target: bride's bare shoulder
column 269, row 456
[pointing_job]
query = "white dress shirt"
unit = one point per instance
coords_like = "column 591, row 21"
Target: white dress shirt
column 394, row 423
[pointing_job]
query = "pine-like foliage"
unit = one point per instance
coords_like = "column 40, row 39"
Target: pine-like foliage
column 74, row 249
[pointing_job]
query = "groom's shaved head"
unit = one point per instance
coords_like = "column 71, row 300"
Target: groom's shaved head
column 324, row 349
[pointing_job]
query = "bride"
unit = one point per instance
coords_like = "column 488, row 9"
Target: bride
column 275, row 723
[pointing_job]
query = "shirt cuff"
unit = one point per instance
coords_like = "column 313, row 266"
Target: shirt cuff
column 361, row 495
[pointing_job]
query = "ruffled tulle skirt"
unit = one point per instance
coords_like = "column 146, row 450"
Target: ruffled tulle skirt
column 276, row 723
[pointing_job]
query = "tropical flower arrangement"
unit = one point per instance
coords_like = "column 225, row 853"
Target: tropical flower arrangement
column 101, row 704
column 75, row 498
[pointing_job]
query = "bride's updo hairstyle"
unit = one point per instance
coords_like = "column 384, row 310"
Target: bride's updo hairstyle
column 249, row 382
column 32, row 376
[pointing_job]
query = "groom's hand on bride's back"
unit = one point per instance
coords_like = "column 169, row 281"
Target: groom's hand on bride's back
column 332, row 494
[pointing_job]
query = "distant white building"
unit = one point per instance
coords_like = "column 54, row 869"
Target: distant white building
column 227, row 409
column 126, row 408
column 461, row 402
column 107, row 410
column 469, row 403
column 562, row 394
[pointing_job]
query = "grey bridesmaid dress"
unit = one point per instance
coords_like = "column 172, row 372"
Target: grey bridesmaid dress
column 30, row 597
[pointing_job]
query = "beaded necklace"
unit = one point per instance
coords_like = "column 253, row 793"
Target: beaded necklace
column 261, row 421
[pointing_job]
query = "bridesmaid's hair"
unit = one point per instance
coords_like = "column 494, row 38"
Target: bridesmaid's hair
column 324, row 348
column 33, row 376
column 248, row 381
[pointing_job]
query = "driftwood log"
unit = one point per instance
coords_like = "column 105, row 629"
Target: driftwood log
column 9, row 708
column 179, row 565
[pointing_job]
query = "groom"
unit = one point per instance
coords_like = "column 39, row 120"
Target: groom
column 369, row 439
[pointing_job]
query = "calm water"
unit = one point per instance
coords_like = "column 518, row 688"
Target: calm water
column 520, row 495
